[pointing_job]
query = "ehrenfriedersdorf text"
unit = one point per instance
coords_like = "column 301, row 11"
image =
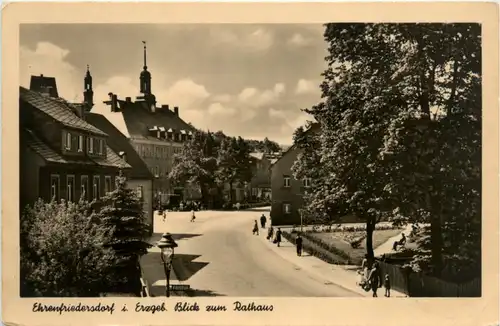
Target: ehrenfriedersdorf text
column 39, row 307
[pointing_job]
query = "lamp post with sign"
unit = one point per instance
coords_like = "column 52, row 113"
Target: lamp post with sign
column 167, row 245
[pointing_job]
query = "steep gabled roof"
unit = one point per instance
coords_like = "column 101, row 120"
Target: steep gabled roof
column 58, row 109
column 139, row 120
column 118, row 142
column 314, row 127
column 30, row 139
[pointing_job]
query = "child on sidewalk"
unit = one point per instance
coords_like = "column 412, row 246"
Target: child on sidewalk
column 387, row 285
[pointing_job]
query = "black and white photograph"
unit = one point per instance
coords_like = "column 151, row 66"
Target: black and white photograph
column 250, row 160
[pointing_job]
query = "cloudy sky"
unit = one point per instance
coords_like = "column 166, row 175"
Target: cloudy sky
column 247, row 80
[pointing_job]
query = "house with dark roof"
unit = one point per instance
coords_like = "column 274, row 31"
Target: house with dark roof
column 286, row 191
column 139, row 176
column 157, row 133
column 61, row 155
column 260, row 184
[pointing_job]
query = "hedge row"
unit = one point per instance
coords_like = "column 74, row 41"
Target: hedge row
column 347, row 228
column 315, row 250
column 326, row 246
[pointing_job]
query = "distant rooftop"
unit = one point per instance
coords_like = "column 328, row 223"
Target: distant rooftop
column 43, row 84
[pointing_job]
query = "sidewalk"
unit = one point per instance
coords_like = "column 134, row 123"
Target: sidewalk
column 344, row 276
column 154, row 274
column 386, row 247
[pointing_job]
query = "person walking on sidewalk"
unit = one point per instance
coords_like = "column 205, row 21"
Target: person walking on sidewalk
column 255, row 230
column 298, row 243
column 270, row 233
column 387, row 285
column 263, row 221
column 164, row 215
column 375, row 279
column 278, row 237
column 193, row 217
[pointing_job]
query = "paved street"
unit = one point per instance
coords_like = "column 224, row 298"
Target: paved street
column 218, row 255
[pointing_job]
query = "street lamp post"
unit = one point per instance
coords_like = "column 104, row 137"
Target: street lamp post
column 167, row 245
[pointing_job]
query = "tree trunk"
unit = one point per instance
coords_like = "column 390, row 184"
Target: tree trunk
column 231, row 192
column 436, row 242
column 370, row 227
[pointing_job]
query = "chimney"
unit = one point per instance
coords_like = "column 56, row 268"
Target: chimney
column 176, row 110
column 128, row 99
column 114, row 103
column 164, row 107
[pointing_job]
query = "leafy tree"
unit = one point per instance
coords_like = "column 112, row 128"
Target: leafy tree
column 401, row 101
column 227, row 168
column 63, row 252
column 125, row 219
column 197, row 164
column 269, row 146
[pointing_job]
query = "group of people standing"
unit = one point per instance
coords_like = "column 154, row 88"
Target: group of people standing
column 371, row 277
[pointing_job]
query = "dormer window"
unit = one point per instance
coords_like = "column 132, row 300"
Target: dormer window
column 179, row 137
column 80, row 143
column 91, row 145
column 101, row 146
column 68, row 141
column 170, row 134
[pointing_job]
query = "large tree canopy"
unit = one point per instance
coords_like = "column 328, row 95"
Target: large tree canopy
column 401, row 129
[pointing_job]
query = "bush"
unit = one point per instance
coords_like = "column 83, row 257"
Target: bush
column 62, row 251
column 315, row 250
column 326, row 246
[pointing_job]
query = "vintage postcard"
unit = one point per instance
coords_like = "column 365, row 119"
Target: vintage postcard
column 248, row 164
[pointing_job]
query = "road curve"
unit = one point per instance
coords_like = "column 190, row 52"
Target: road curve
column 218, row 255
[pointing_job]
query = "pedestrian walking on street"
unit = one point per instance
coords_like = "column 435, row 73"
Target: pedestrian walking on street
column 263, row 221
column 387, row 285
column 193, row 217
column 298, row 243
column 270, row 233
column 375, row 279
column 278, row 237
column 164, row 215
column 255, row 230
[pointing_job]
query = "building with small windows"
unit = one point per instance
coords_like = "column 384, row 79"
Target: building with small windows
column 286, row 191
column 156, row 133
column 139, row 177
column 61, row 155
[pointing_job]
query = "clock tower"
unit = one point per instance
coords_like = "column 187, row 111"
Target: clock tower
column 145, row 83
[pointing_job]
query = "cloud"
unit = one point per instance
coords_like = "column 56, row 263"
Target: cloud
column 50, row 60
column 305, row 86
column 256, row 40
column 299, row 40
column 218, row 109
column 259, row 98
column 272, row 111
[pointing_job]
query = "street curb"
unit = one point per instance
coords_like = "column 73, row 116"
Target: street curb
column 354, row 288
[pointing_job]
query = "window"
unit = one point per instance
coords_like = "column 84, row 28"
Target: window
column 70, row 193
column 156, row 171
column 179, row 137
column 54, row 187
column 306, row 182
column 157, row 149
column 80, row 143
column 101, row 146
column 96, row 187
column 91, row 145
column 84, row 188
column 68, row 141
column 139, row 192
column 107, row 184
column 286, row 181
column 287, row 208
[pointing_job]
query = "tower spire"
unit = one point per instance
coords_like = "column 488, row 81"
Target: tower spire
column 145, row 78
column 88, row 93
column 145, row 52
